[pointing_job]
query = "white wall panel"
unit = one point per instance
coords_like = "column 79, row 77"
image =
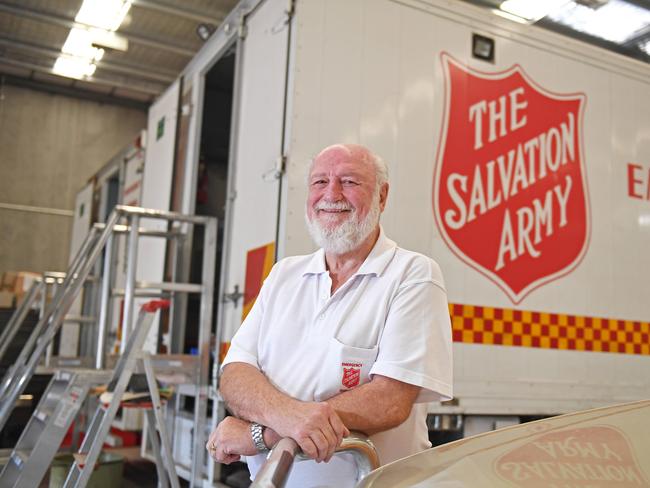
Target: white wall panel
column 156, row 190
column 83, row 209
column 157, row 179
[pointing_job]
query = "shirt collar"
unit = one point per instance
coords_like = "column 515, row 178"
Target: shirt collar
column 316, row 264
column 375, row 263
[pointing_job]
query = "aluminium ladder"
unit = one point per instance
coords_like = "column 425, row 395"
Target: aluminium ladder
column 18, row 317
column 100, row 425
column 101, row 240
column 47, row 427
column 60, row 404
column 43, row 289
column 16, row 378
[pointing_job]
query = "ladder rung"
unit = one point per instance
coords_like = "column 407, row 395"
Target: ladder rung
column 63, row 362
column 125, row 229
column 80, row 319
column 167, row 286
column 119, row 292
column 89, row 278
column 70, row 361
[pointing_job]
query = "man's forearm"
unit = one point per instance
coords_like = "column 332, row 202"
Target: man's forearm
column 250, row 396
column 315, row 426
column 373, row 407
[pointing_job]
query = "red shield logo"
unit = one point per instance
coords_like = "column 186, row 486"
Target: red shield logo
column 510, row 192
column 351, row 377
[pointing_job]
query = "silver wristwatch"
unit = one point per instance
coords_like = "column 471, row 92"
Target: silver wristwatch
column 257, row 433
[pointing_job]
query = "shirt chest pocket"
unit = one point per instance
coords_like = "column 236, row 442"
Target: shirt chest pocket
column 345, row 368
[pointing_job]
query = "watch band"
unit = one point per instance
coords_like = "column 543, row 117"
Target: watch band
column 257, row 434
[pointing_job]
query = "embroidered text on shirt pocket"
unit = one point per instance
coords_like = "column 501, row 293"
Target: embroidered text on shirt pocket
column 345, row 367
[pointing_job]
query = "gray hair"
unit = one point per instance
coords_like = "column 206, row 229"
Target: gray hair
column 381, row 168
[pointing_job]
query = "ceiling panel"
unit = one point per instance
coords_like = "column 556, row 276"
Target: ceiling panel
column 32, row 33
column 596, row 23
column 162, row 40
column 32, row 30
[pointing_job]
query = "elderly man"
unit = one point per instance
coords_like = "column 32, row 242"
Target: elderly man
column 355, row 336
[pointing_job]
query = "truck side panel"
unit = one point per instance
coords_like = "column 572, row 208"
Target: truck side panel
column 373, row 72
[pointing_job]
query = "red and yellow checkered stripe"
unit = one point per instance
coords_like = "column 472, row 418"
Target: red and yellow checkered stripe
column 508, row 327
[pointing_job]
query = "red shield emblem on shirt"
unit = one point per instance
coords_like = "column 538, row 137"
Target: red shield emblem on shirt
column 510, row 192
column 351, row 377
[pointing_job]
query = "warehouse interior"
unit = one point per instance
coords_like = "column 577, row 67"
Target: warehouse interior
column 85, row 97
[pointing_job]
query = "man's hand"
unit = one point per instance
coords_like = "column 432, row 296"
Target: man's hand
column 231, row 440
column 316, row 427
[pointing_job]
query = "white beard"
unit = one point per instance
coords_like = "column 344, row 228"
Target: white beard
column 348, row 235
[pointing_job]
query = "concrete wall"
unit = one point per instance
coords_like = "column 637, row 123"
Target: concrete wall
column 50, row 145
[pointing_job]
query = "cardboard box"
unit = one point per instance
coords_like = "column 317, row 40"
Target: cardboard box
column 6, row 299
column 24, row 280
column 9, row 280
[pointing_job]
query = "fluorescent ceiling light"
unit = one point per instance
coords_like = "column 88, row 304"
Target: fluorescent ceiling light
column 105, row 14
column 80, row 44
column 506, row 15
column 616, row 21
column 109, row 39
column 530, row 10
column 83, row 47
column 73, row 67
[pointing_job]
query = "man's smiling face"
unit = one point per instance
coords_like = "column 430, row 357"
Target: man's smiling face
column 344, row 201
column 342, row 184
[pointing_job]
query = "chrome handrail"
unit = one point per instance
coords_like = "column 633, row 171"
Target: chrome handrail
column 363, row 451
column 275, row 471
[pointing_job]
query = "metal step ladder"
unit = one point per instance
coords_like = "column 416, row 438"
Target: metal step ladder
column 16, row 378
column 100, row 425
column 42, row 290
column 47, row 427
column 101, row 243
column 61, row 402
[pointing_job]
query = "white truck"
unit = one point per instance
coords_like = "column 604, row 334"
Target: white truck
column 526, row 177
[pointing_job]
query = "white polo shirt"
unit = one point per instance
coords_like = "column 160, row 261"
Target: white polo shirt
column 390, row 318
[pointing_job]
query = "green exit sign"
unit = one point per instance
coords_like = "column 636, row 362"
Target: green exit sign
column 160, row 130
